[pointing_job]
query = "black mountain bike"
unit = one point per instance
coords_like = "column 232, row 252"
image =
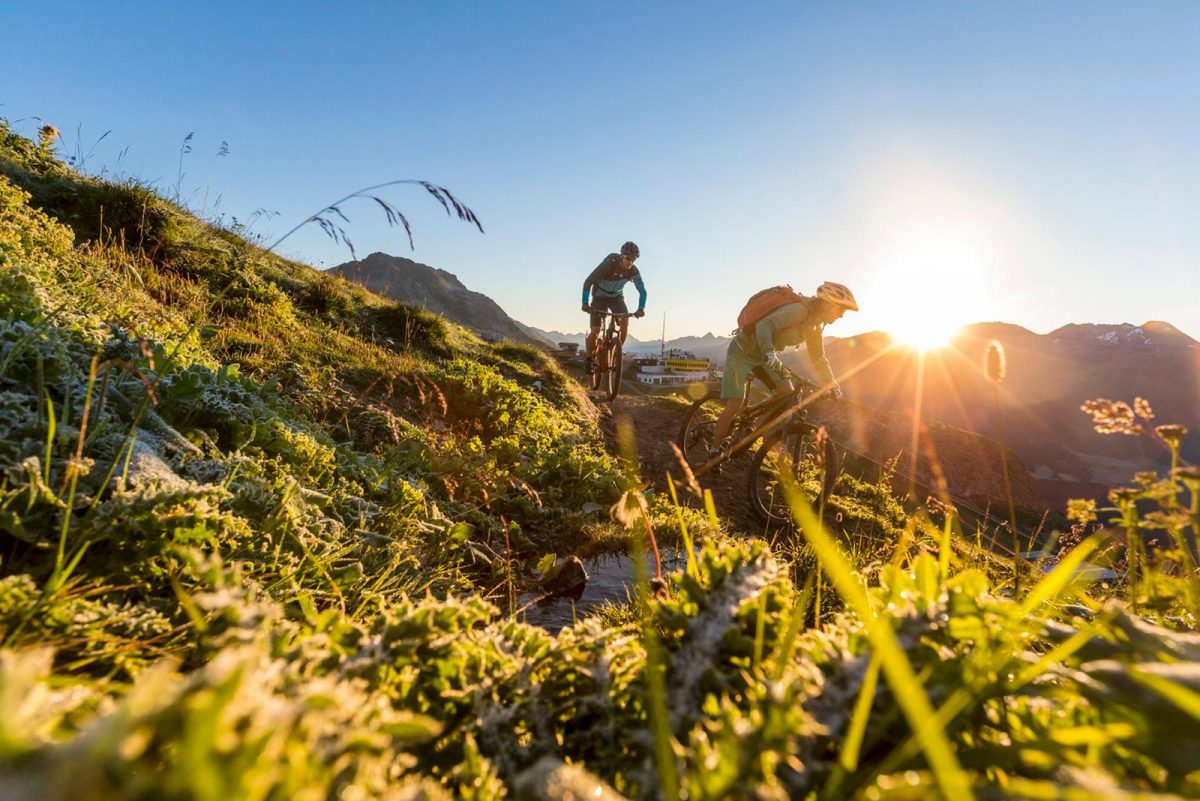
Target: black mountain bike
column 787, row 443
column 608, row 362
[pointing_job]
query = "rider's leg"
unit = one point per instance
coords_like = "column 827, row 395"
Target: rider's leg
column 725, row 421
column 594, row 334
column 733, row 389
column 624, row 323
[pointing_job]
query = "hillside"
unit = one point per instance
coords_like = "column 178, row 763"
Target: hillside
column 264, row 534
column 438, row 291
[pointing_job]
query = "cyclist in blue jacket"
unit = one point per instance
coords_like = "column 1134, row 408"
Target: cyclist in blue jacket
column 606, row 286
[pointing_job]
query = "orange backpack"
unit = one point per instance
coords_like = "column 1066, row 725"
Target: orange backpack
column 763, row 303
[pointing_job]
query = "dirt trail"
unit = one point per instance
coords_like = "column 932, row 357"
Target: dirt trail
column 656, row 421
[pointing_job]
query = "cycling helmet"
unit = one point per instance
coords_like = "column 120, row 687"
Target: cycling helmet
column 838, row 295
column 631, row 250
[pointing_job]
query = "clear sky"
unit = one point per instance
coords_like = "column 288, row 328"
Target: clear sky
column 1036, row 163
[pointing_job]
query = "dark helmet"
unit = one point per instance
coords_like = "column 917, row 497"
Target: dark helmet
column 631, row 250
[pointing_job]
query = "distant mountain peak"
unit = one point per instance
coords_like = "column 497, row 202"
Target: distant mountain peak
column 438, row 291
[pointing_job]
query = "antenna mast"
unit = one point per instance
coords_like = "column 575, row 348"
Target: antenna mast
column 663, row 339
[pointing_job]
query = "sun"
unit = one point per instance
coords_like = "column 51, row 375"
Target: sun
column 927, row 287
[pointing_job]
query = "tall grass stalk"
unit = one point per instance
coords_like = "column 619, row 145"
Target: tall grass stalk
column 689, row 545
column 787, row 645
column 855, row 732
column 944, row 547
column 72, row 478
column 51, row 427
column 656, row 685
column 995, row 368
column 656, row 660
column 907, row 688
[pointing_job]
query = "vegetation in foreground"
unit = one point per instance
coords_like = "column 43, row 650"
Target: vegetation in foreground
column 256, row 523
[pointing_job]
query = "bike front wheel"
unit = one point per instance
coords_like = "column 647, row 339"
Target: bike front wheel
column 696, row 433
column 615, row 365
column 794, row 457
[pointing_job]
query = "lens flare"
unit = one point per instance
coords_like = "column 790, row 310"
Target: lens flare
column 927, row 288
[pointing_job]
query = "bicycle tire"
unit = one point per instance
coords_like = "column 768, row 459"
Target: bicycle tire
column 597, row 362
column 696, row 432
column 615, row 365
column 795, row 451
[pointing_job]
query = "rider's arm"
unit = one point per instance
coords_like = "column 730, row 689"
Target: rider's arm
column 592, row 279
column 816, row 354
column 641, row 288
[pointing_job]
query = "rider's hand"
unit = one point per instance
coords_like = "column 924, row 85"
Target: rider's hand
column 836, row 393
column 587, row 308
column 640, row 313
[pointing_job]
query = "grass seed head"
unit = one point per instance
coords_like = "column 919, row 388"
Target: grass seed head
column 994, row 362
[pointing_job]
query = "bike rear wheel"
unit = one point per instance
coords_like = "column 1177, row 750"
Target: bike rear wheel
column 813, row 468
column 615, row 364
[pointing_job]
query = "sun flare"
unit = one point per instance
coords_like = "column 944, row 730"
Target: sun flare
column 928, row 288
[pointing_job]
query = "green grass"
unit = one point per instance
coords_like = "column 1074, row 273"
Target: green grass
column 257, row 537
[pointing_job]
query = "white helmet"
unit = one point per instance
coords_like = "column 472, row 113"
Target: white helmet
column 838, row 295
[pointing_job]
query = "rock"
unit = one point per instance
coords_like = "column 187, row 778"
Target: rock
column 148, row 468
column 551, row 779
column 567, row 576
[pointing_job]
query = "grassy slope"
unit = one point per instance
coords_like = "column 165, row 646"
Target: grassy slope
column 274, row 463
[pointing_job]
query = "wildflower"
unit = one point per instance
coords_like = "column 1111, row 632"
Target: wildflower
column 1112, row 417
column 1169, row 521
column 1124, row 495
column 1142, row 407
column 1081, row 510
column 1145, row 477
column 46, row 135
column 1172, row 434
column 1190, row 476
column 994, row 365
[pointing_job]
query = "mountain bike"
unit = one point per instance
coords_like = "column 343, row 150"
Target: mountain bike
column 788, row 444
column 608, row 362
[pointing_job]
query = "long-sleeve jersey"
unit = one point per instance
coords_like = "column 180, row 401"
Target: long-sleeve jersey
column 786, row 326
column 608, row 280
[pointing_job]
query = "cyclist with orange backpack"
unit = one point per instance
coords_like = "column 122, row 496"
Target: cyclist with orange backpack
column 606, row 285
column 772, row 320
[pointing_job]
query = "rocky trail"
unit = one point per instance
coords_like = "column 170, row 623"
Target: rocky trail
column 656, row 421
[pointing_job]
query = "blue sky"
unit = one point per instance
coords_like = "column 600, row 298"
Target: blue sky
column 1030, row 162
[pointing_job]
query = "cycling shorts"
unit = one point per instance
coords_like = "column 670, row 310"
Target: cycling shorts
column 614, row 303
column 738, row 369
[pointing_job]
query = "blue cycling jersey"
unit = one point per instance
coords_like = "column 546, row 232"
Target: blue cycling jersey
column 609, row 278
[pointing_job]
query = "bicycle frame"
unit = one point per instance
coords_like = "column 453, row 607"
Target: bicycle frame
column 773, row 412
column 608, row 342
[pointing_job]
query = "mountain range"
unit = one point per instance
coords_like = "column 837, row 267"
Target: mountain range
column 1035, row 410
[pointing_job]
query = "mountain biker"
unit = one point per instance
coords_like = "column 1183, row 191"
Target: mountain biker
column 606, row 285
column 753, row 349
